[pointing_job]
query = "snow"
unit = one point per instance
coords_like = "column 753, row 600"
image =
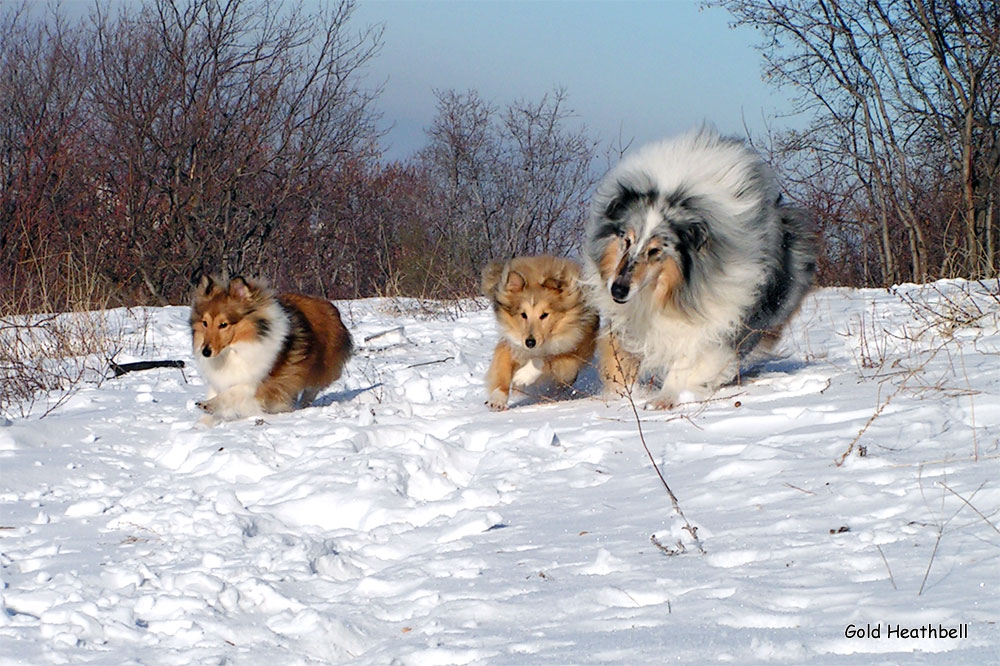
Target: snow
column 399, row 521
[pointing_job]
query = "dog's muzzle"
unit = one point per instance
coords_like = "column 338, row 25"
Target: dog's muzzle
column 622, row 285
column 206, row 351
column 529, row 342
column 619, row 291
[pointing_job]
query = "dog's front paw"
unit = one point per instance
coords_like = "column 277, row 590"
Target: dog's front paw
column 663, row 402
column 497, row 401
column 207, row 406
column 660, row 404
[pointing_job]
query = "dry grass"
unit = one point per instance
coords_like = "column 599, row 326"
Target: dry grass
column 873, row 342
column 941, row 520
column 944, row 318
column 67, row 341
column 971, row 305
column 937, row 314
column 431, row 308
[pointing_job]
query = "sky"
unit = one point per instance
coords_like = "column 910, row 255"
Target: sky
column 636, row 70
column 633, row 70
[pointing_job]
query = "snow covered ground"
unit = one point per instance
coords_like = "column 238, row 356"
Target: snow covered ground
column 401, row 522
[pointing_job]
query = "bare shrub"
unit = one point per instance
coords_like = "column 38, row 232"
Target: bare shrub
column 505, row 182
column 905, row 105
column 47, row 356
column 220, row 126
column 947, row 309
column 46, row 186
column 155, row 139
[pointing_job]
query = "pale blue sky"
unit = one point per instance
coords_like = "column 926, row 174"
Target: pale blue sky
column 649, row 69
column 644, row 69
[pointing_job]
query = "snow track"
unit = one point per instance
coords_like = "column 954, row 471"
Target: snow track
column 399, row 521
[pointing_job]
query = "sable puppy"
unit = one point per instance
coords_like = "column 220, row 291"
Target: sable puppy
column 546, row 328
column 262, row 353
column 693, row 263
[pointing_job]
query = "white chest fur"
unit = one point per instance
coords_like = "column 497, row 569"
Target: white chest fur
column 528, row 373
column 246, row 363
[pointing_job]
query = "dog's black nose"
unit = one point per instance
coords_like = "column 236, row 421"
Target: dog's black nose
column 206, row 351
column 619, row 291
column 529, row 342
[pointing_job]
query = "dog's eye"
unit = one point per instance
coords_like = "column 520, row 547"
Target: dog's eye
column 204, row 323
column 524, row 315
column 223, row 324
column 653, row 253
column 544, row 315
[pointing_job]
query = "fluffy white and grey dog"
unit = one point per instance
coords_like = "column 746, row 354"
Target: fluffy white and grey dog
column 693, row 263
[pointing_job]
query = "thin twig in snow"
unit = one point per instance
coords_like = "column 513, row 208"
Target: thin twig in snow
column 930, row 563
column 688, row 527
column 891, row 579
column 440, row 360
column 970, row 505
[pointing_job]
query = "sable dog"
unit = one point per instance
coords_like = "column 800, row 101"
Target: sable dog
column 547, row 329
column 693, row 262
column 260, row 353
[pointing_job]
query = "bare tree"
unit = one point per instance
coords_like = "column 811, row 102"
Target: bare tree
column 219, row 125
column 462, row 157
column 551, row 177
column 511, row 181
column 892, row 85
column 43, row 158
column 142, row 144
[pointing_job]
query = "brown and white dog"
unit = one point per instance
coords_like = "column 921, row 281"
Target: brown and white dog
column 693, row 263
column 262, row 353
column 547, row 330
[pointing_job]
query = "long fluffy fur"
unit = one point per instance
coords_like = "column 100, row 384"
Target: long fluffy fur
column 262, row 353
column 693, row 262
column 547, row 330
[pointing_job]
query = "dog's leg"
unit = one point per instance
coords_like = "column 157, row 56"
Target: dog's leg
column 700, row 376
column 307, row 397
column 274, row 397
column 499, row 376
column 712, row 369
column 619, row 369
column 235, row 403
column 564, row 369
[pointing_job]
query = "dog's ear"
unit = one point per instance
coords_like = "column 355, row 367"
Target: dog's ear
column 240, row 288
column 693, row 235
column 564, row 278
column 491, row 278
column 205, row 285
column 514, row 282
column 557, row 284
column 624, row 197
